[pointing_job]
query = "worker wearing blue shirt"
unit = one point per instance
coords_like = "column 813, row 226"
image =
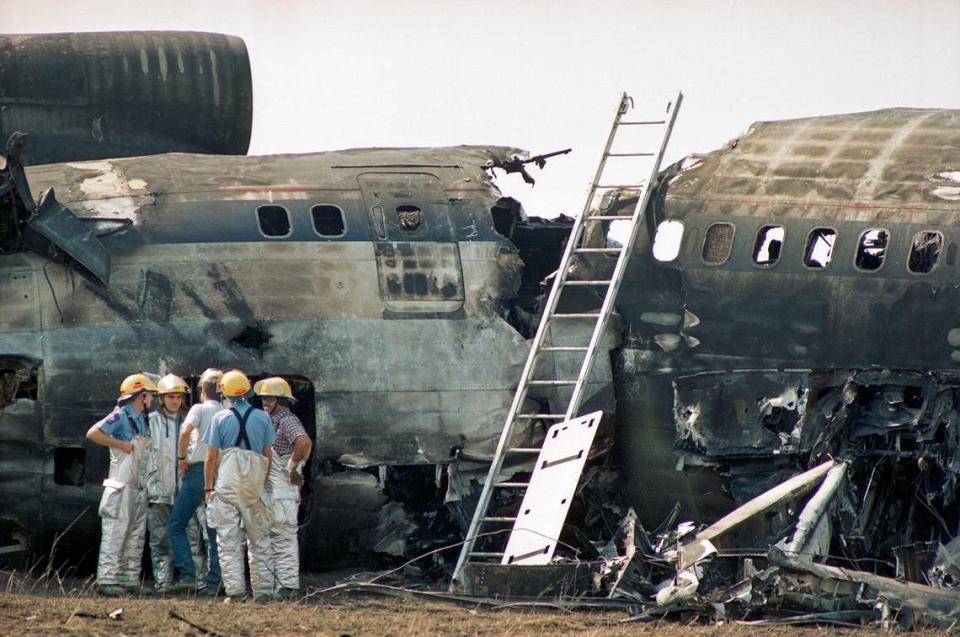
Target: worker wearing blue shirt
column 123, row 507
column 238, row 459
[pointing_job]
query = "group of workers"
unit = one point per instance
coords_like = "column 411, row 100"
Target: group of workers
column 245, row 464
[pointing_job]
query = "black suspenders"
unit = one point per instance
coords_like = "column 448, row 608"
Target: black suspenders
column 242, row 435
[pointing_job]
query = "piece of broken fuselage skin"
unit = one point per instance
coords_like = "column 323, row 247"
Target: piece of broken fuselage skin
column 806, row 310
column 381, row 282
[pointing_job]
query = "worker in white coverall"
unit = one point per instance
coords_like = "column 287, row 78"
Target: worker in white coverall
column 163, row 481
column 236, row 469
column 290, row 452
column 123, row 507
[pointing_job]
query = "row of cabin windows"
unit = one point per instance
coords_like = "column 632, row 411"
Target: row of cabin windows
column 328, row 220
column 925, row 250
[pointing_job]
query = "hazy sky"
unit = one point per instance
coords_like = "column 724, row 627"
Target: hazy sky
column 545, row 75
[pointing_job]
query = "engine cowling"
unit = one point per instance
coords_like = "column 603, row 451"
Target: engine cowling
column 82, row 96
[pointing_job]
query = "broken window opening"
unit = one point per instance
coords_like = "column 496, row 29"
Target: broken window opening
column 506, row 214
column 913, row 396
column 409, row 217
column 667, row 242
column 274, row 221
column 328, row 220
column 68, row 465
column 19, row 380
column 718, row 242
column 872, row 249
column 925, row 251
column 768, row 246
column 819, row 250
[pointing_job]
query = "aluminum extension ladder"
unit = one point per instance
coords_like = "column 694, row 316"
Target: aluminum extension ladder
column 574, row 247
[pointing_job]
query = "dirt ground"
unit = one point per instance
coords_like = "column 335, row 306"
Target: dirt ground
column 81, row 613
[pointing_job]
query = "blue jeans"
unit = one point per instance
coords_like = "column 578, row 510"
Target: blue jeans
column 184, row 507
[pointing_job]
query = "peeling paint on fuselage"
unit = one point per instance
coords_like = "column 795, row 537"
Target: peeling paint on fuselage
column 410, row 377
column 110, row 194
column 894, row 169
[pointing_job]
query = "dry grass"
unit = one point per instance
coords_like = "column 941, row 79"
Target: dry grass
column 50, row 604
column 84, row 614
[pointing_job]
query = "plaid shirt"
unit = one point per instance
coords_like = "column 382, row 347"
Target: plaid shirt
column 288, row 428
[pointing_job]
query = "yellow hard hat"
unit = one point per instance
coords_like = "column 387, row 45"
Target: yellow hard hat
column 234, row 384
column 211, row 374
column 134, row 384
column 172, row 384
column 274, row 386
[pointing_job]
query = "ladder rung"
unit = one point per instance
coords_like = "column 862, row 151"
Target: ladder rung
column 576, row 315
column 644, row 179
column 598, row 282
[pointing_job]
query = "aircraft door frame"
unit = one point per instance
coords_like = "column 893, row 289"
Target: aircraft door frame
column 418, row 257
column 385, row 192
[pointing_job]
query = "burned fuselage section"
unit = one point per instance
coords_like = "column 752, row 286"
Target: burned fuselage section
column 379, row 281
column 794, row 306
column 898, row 431
column 784, row 362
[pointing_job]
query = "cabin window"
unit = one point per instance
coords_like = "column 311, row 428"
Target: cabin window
column 409, row 217
column 872, row 249
column 768, row 246
column 274, row 221
column 328, row 220
column 925, row 251
column 717, row 243
column 819, row 250
column 666, row 243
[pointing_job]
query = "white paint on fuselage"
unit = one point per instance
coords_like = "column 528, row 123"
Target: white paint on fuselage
column 109, row 193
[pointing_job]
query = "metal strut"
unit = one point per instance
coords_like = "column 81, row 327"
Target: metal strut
column 540, row 345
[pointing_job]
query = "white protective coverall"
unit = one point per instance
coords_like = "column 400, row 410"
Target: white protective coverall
column 240, row 497
column 283, row 534
column 123, row 511
column 162, row 484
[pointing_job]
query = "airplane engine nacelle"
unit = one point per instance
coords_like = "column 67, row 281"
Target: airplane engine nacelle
column 82, row 96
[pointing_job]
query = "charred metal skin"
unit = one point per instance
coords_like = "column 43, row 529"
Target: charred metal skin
column 97, row 95
column 893, row 170
column 376, row 279
column 809, row 312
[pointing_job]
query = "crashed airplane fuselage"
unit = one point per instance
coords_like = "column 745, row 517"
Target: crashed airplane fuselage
column 376, row 280
column 802, row 306
column 387, row 284
column 790, row 300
